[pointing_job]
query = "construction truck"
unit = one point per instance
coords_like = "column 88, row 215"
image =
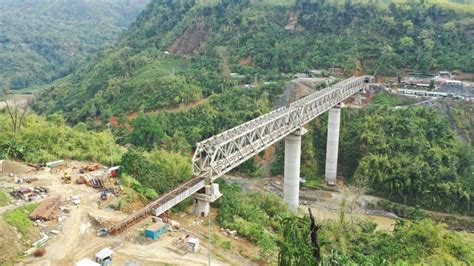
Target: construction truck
column 103, row 232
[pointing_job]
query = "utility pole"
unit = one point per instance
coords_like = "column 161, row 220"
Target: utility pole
column 110, row 145
column 209, row 235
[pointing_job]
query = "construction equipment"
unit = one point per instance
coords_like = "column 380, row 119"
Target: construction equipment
column 108, row 181
column 102, row 232
column 159, row 205
column 66, row 177
column 103, row 195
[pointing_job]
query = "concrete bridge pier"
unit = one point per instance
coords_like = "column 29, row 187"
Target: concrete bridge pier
column 334, row 122
column 291, row 186
column 358, row 98
column 203, row 199
column 201, row 207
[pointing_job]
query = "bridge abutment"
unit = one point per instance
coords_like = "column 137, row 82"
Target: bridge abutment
column 291, row 186
column 203, row 199
column 201, row 207
column 334, row 122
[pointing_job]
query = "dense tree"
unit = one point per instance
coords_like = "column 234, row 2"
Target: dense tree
column 42, row 40
column 41, row 140
column 177, row 52
column 158, row 169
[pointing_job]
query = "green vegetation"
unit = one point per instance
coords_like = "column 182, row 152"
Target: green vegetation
column 19, row 219
column 46, row 39
column 410, row 156
column 4, row 199
column 179, row 131
column 389, row 99
column 453, row 221
column 177, row 52
column 257, row 216
column 461, row 114
column 264, row 219
column 153, row 172
column 358, row 243
column 144, row 192
column 217, row 241
column 40, row 140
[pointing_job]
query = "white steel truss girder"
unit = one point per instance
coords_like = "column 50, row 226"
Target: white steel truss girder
column 219, row 154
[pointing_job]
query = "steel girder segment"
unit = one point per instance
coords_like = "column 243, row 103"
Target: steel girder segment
column 218, row 155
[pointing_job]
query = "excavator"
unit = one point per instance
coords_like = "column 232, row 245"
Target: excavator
column 109, row 184
column 66, row 177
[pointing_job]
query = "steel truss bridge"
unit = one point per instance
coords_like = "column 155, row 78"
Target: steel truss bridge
column 221, row 153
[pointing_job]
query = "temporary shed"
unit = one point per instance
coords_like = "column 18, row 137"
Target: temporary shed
column 193, row 244
column 87, row 262
column 104, row 257
column 155, row 230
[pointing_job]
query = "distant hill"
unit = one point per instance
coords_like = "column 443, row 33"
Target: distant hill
column 41, row 40
column 177, row 52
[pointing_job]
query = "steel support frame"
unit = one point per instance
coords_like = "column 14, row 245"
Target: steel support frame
column 219, row 154
column 161, row 204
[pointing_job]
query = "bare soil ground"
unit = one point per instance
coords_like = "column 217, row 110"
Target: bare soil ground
column 10, row 245
column 77, row 232
column 16, row 99
column 241, row 252
column 192, row 40
column 187, row 106
column 12, row 167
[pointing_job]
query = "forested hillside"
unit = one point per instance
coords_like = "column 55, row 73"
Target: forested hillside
column 178, row 52
column 42, row 40
column 39, row 140
column 187, row 70
column 166, row 84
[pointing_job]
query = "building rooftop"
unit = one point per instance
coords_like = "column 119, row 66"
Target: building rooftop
column 87, row 262
column 104, row 253
column 193, row 241
column 155, row 226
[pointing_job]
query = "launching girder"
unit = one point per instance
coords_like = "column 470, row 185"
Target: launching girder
column 221, row 153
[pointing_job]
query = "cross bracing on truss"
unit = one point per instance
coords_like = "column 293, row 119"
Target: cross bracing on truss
column 219, row 154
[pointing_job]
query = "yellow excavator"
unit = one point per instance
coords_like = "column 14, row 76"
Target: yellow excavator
column 66, row 177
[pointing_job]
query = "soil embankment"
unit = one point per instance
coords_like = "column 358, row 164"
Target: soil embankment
column 12, row 167
column 10, row 246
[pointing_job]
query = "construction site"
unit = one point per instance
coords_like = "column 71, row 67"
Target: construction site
column 71, row 206
column 75, row 208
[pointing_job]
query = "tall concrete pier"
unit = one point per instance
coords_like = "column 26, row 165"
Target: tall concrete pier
column 291, row 186
column 332, row 144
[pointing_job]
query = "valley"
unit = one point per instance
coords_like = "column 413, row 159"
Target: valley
column 254, row 132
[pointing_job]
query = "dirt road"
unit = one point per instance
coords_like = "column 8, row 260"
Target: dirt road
column 77, row 232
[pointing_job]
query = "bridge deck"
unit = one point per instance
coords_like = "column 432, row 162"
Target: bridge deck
column 223, row 152
column 169, row 199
